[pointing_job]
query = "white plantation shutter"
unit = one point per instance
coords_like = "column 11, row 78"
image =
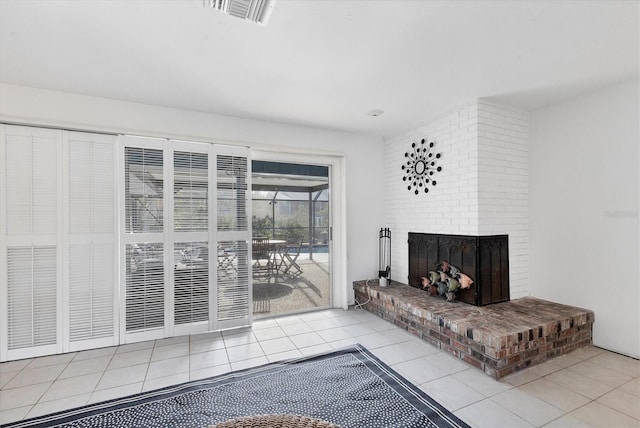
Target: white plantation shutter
column 183, row 215
column 232, row 199
column 192, row 282
column 145, row 259
column 91, row 236
column 30, row 231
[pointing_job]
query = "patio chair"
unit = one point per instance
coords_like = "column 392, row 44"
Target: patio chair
column 289, row 259
column 261, row 256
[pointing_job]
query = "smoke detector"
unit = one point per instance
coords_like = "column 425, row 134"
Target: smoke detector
column 258, row 11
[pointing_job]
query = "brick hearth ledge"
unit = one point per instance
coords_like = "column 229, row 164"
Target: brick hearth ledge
column 499, row 339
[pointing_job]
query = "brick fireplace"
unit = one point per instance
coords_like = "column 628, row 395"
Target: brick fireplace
column 483, row 189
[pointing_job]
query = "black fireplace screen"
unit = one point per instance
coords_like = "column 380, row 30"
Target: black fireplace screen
column 484, row 258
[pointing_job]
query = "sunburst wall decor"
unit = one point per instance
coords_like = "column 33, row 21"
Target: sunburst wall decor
column 420, row 167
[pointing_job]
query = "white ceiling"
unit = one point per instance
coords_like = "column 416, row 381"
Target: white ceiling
column 322, row 63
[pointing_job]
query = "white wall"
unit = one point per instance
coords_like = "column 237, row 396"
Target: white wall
column 584, row 210
column 482, row 189
column 363, row 154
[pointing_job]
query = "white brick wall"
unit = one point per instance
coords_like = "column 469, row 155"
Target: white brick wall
column 503, row 184
column 482, row 188
column 449, row 207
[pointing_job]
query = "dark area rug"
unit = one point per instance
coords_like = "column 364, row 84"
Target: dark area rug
column 348, row 387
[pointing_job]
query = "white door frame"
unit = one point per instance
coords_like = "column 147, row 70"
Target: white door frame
column 337, row 200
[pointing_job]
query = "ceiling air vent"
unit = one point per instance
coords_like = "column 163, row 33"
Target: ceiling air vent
column 257, row 11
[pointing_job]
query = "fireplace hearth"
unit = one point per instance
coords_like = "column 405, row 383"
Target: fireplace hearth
column 498, row 339
column 483, row 258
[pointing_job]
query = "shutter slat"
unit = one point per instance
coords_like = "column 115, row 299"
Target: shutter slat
column 80, row 188
column 103, row 182
column 45, row 195
column 18, row 189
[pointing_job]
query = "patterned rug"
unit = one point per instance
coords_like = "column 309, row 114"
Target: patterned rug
column 349, row 388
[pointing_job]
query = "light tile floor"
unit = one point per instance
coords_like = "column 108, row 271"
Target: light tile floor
column 588, row 387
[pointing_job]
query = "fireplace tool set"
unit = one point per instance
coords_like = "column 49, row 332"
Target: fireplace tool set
column 384, row 256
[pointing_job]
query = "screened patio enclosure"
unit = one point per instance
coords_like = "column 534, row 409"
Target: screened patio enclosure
column 291, row 237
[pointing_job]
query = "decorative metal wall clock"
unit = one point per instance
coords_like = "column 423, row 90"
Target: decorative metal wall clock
column 420, row 167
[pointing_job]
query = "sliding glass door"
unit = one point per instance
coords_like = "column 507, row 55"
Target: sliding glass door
column 291, row 223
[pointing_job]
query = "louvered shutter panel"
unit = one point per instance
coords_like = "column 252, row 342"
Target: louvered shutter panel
column 233, row 281
column 31, row 182
column 144, row 183
column 144, row 287
column 233, row 285
column 191, row 284
column 91, row 184
column 144, row 249
column 30, row 288
column 91, row 304
column 232, row 193
column 91, row 296
column 191, row 220
column 191, row 186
